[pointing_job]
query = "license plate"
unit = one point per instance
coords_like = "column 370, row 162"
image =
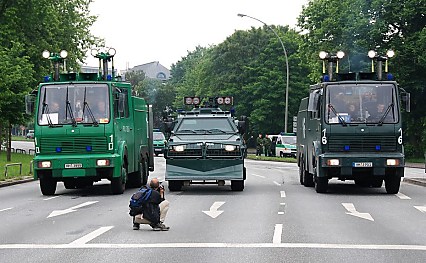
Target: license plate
column 363, row 164
column 73, row 165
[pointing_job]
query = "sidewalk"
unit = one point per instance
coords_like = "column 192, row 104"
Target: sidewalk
column 416, row 179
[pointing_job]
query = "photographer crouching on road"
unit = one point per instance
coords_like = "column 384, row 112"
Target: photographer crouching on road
column 154, row 209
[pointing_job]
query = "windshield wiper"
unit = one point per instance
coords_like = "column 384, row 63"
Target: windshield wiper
column 85, row 104
column 45, row 110
column 382, row 119
column 337, row 114
column 201, row 130
column 68, row 108
column 185, row 131
column 217, row 130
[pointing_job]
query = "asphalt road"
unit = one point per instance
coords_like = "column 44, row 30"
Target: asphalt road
column 274, row 219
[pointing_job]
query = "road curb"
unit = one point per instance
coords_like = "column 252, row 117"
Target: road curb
column 416, row 181
column 13, row 182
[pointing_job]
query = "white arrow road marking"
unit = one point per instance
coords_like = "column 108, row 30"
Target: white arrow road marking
column 6, row 209
column 352, row 211
column 213, row 212
column 261, row 176
column 277, row 234
column 421, row 208
column 402, row 196
column 83, row 240
column 69, row 210
column 277, row 183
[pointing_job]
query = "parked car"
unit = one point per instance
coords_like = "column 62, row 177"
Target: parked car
column 30, row 134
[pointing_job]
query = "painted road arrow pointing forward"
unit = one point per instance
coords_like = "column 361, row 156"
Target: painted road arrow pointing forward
column 352, row 211
column 69, row 210
column 213, row 212
column 421, row 208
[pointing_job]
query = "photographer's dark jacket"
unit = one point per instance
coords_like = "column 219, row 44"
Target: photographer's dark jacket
column 151, row 210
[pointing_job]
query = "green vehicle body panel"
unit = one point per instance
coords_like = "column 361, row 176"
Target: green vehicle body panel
column 354, row 144
column 125, row 139
column 207, row 160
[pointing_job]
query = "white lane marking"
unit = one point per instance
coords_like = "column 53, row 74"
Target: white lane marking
column 282, row 194
column 213, row 212
column 83, row 240
column 402, row 196
column 282, row 203
column 50, row 198
column 69, row 210
column 421, row 208
column 217, row 245
column 352, row 211
column 277, row 234
column 5, row 209
column 261, row 176
column 277, row 183
column 281, row 213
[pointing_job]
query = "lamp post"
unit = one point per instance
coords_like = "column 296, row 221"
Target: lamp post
column 287, row 70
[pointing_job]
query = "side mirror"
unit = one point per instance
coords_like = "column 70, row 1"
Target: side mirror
column 29, row 104
column 406, row 97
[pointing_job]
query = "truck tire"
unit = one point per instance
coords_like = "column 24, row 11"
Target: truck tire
column 308, row 180
column 48, row 186
column 175, row 185
column 145, row 171
column 302, row 172
column 237, row 185
column 321, row 184
column 117, row 184
column 392, row 184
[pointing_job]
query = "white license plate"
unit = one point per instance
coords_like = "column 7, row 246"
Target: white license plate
column 73, row 165
column 363, row 164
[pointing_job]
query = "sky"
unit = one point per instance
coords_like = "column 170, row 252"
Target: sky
column 143, row 31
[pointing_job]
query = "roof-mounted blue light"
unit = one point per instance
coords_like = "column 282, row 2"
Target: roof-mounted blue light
column 326, row 78
column 109, row 77
column 46, row 78
column 390, row 76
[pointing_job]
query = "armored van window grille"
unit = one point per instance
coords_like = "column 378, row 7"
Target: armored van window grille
column 189, row 150
column 351, row 143
column 73, row 145
column 218, row 150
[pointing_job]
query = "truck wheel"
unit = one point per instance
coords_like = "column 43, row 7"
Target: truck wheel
column 237, row 185
column 175, row 185
column 392, row 183
column 145, row 171
column 308, row 180
column 117, row 184
column 321, row 184
column 302, row 172
column 48, row 186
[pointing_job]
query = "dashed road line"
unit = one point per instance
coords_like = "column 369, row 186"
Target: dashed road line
column 277, row 234
column 282, row 193
column 5, row 209
column 402, row 196
column 50, row 198
column 260, row 176
column 92, row 235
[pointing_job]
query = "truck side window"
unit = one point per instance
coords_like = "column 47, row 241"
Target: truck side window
column 126, row 104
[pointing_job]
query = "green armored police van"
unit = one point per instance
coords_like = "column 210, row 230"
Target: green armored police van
column 89, row 127
column 350, row 128
column 206, row 146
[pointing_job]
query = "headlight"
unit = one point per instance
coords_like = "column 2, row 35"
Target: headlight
column 44, row 164
column 179, row 148
column 392, row 162
column 102, row 162
column 333, row 162
column 230, row 148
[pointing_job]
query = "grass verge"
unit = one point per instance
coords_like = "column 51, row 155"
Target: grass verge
column 275, row 159
column 13, row 171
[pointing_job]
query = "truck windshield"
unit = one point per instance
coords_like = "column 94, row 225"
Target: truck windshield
column 205, row 125
column 62, row 104
column 361, row 103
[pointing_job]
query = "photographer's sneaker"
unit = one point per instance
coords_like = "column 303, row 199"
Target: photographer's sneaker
column 163, row 227
column 136, row 226
column 156, row 227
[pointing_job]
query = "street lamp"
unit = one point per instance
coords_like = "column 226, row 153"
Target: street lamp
column 286, row 63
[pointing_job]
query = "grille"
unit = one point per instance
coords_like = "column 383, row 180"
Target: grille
column 191, row 150
column 73, row 145
column 357, row 143
column 218, row 150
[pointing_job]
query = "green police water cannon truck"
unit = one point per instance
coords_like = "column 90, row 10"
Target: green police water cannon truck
column 89, row 127
column 206, row 145
column 350, row 128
